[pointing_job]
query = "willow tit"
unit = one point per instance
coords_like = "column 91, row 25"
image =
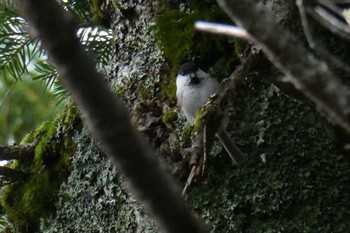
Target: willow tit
column 193, row 89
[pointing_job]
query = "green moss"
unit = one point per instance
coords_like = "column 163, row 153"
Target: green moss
column 169, row 87
column 25, row 202
column 174, row 32
column 180, row 42
column 29, row 137
column 98, row 16
column 169, row 118
column 189, row 131
column 187, row 135
column 40, row 149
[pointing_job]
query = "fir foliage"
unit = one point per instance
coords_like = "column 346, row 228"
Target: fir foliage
column 22, row 55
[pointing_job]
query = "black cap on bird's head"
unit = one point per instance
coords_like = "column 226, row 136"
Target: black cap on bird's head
column 187, row 68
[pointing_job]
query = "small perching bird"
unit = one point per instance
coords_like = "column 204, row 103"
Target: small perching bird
column 193, row 89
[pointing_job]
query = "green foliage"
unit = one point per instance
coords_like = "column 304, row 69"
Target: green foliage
column 16, row 48
column 24, row 203
column 302, row 187
column 24, row 109
column 19, row 53
column 22, row 58
column 87, row 12
column 5, row 225
column 98, row 43
column 79, row 9
column 179, row 41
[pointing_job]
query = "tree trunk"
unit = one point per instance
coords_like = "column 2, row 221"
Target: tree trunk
column 296, row 177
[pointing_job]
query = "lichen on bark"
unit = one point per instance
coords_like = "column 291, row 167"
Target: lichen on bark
column 300, row 188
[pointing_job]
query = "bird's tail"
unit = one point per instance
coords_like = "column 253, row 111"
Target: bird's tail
column 233, row 151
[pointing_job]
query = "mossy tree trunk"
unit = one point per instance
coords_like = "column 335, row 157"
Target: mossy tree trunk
column 296, row 177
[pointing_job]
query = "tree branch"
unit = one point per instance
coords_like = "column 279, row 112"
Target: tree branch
column 19, row 152
column 223, row 29
column 311, row 76
column 12, row 175
column 107, row 119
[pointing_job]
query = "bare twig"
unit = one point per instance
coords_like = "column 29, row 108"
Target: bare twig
column 339, row 1
column 205, row 151
column 331, row 6
column 108, row 119
column 305, row 24
column 308, row 74
column 223, row 29
column 328, row 20
column 316, row 45
column 331, row 22
column 346, row 15
column 196, row 151
column 7, row 94
column 189, row 180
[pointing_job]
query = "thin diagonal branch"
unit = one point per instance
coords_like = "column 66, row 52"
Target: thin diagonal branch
column 7, row 94
column 108, row 119
column 316, row 45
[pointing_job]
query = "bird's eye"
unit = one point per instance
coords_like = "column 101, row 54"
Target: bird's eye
column 183, row 73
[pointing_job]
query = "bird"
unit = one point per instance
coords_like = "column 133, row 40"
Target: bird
column 193, row 89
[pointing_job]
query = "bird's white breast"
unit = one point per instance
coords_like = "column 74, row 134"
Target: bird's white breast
column 192, row 97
